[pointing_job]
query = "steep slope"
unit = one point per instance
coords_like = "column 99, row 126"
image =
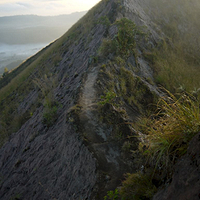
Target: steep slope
column 68, row 117
column 50, row 161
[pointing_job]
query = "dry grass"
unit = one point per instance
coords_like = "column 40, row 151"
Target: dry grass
column 174, row 68
column 169, row 133
column 177, row 60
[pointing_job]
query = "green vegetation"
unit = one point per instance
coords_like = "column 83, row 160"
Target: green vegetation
column 11, row 120
column 173, row 126
column 50, row 114
column 126, row 86
column 47, row 85
column 166, row 136
column 135, row 91
column 124, row 43
column 174, row 68
column 112, row 195
column 176, row 59
column 137, row 186
column 5, row 72
column 105, row 21
column 108, row 98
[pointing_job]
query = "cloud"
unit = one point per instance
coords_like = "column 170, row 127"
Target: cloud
column 23, row 4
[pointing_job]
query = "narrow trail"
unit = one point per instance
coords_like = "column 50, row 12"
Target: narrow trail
column 89, row 119
column 107, row 151
column 89, row 94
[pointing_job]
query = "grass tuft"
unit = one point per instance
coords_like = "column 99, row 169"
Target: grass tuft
column 137, row 186
column 174, row 125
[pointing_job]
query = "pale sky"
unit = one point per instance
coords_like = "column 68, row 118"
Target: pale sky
column 44, row 7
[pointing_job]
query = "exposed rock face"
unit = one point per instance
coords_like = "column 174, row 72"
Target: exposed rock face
column 46, row 164
column 185, row 183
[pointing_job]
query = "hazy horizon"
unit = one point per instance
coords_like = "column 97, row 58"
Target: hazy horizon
column 44, row 7
column 42, row 15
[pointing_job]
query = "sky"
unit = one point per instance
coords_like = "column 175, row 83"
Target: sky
column 44, row 7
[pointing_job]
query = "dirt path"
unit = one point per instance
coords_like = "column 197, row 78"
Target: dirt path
column 89, row 94
column 93, row 131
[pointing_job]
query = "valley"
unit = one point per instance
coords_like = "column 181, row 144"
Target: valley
column 12, row 55
column 23, row 36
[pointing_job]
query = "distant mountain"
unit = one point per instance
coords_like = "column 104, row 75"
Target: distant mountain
column 29, row 29
column 22, row 36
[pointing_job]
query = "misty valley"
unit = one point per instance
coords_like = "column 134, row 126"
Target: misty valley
column 13, row 55
column 23, row 36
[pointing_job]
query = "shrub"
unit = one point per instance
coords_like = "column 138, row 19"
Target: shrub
column 137, row 187
column 106, row 47
column 50, row 109
column 108, row 98
column 49, row 115
column 174, row 125
column 46, row 85
column 124, row 43
column 112, row 195
column 125, row 39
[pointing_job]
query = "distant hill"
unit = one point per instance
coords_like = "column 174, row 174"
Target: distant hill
column 22, row 36
column 35, row 29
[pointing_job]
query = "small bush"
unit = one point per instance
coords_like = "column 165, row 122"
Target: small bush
column 50, row 109
column 124, row 43
column 112, row 195
column 137, row 187
column 106, row 47
column 47, row 84
column 108, row 98
column 49, row 115
column 104, row 20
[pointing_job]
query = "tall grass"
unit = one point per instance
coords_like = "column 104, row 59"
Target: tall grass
column 176, row 62
column 174, row 68
column 173, row 126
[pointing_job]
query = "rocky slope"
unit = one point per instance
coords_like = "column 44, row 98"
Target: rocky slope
column 71, row 116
